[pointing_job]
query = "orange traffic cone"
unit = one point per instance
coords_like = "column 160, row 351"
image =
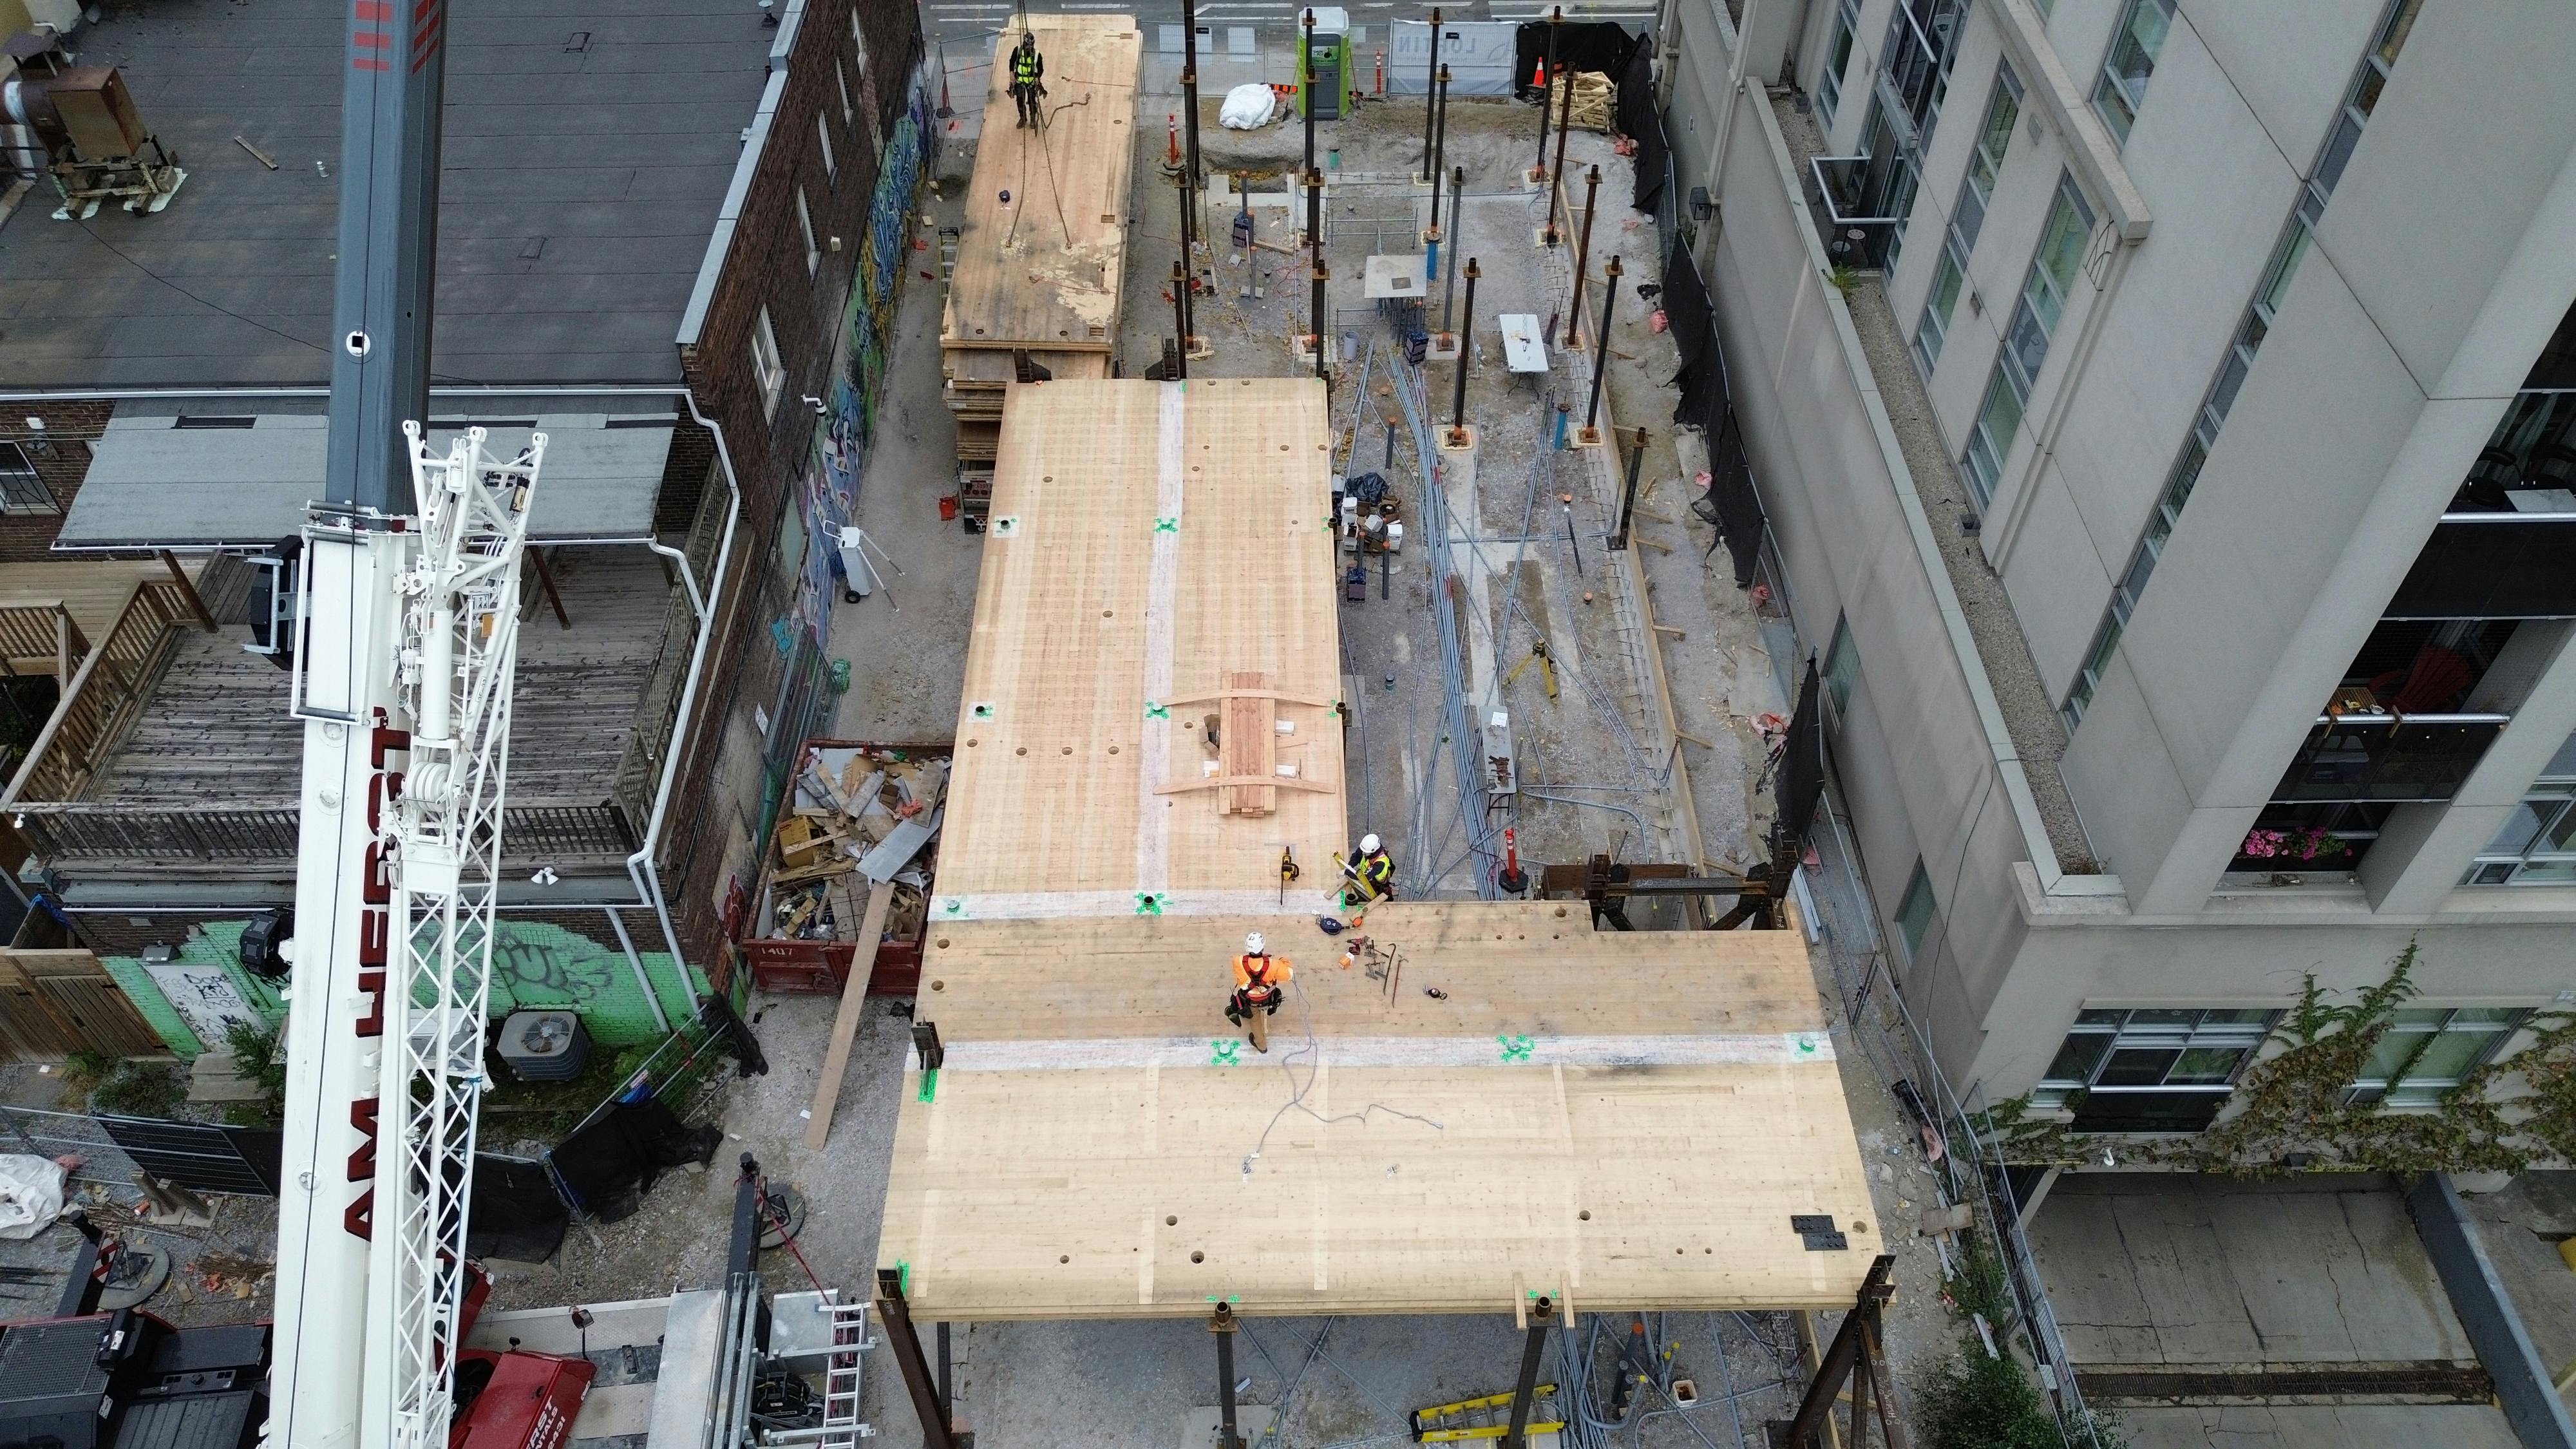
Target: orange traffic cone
column 1538, row 76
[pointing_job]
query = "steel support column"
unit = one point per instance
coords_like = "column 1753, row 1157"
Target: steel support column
column 896, row 1317
column 1542, row 1317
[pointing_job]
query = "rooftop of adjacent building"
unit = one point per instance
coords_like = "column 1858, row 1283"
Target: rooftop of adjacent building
column 588, row 147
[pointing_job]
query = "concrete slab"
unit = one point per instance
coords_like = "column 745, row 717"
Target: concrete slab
column 2158, row 1268
column 2363, row 1426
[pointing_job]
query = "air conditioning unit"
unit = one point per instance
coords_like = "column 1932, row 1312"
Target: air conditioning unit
column 97, row 146
column 544, row 1046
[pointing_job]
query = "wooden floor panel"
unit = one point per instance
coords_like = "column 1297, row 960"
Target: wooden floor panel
column 1495, row 1102
column 1043, row 269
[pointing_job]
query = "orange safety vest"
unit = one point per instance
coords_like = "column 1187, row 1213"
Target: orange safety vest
column 1260, row 977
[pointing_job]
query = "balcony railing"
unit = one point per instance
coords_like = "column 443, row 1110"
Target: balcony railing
column 1848, row 188
column 2392, row 758
column 229, row 842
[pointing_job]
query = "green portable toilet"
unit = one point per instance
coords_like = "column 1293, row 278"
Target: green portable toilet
column 1327, row 76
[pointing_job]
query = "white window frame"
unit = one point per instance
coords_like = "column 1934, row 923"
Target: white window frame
column 1841, row 672
column 831, row 163
column 2154, row 1029
column 805, row 224
column 1838, row 53
column 859, row 38
column 2114, row 99
column 2042, row 306
column 1968, row 217
column 768, row 370
column 2405, row 1089
column 849, row 108
column 22, row 488
column 2510, row 858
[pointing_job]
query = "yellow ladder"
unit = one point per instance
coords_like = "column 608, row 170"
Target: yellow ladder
column 1486, row 1418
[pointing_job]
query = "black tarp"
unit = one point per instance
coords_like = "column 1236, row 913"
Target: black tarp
column 608, row 1166
column 1581, row 45
column 514, row 1211
column 1731, row 502
column 1642, row 123
column 1800, row 780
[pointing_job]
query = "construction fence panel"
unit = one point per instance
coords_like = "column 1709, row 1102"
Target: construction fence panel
column 200, row 1156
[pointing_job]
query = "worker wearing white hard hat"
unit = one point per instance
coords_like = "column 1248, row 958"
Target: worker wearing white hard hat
column 1258, row 977
column 1375, row 869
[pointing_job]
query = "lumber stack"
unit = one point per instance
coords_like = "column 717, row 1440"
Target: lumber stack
column 1042, row 252
column 860, row 816
column 1594, row 100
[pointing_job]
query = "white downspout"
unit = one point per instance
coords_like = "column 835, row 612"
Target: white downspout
column 640, row 867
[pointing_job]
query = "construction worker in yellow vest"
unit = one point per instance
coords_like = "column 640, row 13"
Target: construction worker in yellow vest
column 1258, row 981
column 1376, row 869
column 1028, row 77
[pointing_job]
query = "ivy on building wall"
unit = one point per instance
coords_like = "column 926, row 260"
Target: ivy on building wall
column 2294, row 1108
column 536, row 965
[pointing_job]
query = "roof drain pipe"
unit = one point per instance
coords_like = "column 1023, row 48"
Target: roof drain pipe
column 640, row 867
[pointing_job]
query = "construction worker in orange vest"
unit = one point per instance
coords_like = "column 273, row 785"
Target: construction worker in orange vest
column 1258, row 979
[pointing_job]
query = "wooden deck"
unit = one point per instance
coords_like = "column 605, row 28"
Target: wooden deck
column 215, row 728
column 92, row 589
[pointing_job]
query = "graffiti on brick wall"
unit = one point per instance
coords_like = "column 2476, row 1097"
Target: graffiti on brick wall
column 535, row 964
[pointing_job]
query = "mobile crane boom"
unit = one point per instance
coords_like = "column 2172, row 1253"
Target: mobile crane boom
column 407, row 637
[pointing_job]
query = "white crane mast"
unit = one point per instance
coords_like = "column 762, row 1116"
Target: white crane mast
column 460, row 648
column 407, row 644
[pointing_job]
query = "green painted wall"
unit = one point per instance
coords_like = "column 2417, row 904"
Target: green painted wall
column 535, row 965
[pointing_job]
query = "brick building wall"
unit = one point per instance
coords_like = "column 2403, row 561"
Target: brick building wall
column 773, row 445
column 60, row 452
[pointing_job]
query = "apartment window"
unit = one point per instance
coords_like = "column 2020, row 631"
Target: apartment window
column 841, row 75
column 1986, row 161
column 1829, row 86
column 1976, row 189
column 766, row 368
column 2361, row 97
column 2537, row 845
column 831, row 163
column 2181, row 1051
column 1914, row 912
column 805, row 223
column 2428, row 1051
column 2026, row 337
column 1842, row 668
column 859, row 38
column 21, row 491
column 2132, row 60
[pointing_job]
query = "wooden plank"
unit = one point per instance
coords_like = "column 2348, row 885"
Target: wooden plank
column 845, row 1025
column 1043, row 270
column 30, row 1029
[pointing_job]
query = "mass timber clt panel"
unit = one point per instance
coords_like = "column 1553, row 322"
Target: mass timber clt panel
column 1150, row 545
column 1623, row 1121
column 1042, row 270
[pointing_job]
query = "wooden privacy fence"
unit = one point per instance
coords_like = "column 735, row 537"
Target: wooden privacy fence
column 53, row 1003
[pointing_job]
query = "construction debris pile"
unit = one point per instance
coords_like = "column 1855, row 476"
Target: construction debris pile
column 859, row 813
column 1594, row 99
